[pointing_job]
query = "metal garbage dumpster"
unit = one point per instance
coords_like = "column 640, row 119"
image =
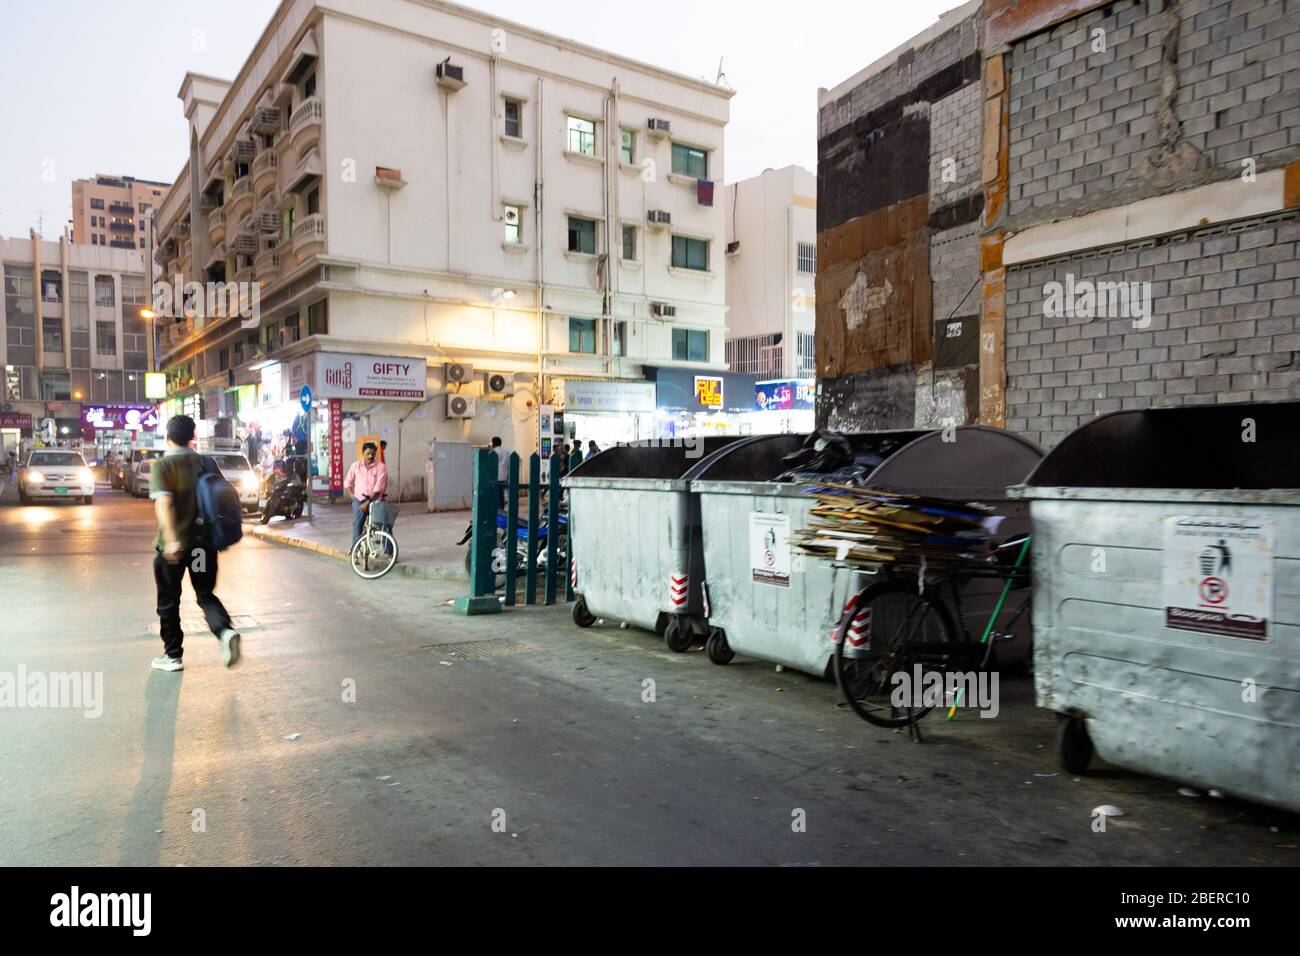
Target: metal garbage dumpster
column 766, row 600
column 1167, row 595
column 635, row 533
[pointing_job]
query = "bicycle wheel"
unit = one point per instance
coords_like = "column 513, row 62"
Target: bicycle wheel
column 374, row 555
column 887, row 629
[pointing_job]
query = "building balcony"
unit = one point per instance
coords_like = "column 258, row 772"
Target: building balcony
column 217, row 226
column 217, row 255
column 309, row 236
column 122, row 243
column 266, row 169
column 266, row 265
column 241, row 198
column 307, row 172
column 244, row 240
column 265, row 121
column 118, row 226
column 241, row 151
column 304, row 125
column 245, row 274
column 121, row 207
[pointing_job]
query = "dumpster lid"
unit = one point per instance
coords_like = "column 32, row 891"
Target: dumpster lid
column 759, row 459
column 1249, row 445
column 973, row 461
column 665, row 459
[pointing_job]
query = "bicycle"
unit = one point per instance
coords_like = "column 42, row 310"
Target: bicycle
column 893, row 626
column 375, row 552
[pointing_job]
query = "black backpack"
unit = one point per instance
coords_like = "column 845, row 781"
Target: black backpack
column 219, row 513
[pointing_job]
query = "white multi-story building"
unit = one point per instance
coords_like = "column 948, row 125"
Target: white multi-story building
column 771, row 273
column 71, row 335
column 415, row 179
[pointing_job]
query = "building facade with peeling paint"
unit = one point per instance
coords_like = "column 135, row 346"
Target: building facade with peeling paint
column 1149, row 146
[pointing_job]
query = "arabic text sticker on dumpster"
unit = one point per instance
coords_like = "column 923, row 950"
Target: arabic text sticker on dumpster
column 1219, row 576
column 769, row 548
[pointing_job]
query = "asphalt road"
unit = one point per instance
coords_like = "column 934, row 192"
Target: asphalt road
column 519, row 718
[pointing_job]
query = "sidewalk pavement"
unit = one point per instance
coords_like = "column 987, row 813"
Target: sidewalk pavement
column 426, row 543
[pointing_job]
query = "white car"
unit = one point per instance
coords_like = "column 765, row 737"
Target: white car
column 136, row 482
column 55, row 473
column 235, row 469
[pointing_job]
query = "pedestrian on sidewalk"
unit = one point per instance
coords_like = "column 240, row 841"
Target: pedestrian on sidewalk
column 366, row 482
column 180, row 544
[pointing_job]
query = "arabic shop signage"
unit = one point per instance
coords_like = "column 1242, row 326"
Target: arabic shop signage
column 785, row 396
column 130, row 418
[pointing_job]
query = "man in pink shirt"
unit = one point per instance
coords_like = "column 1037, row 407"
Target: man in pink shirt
column 366, row 482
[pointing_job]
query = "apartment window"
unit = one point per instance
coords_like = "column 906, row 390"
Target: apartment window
column 144, row 208
column 627, row 146
column 51, row 286
column 582, row 235
column 689, row 161
column 52, row 336
column 132, row 292
column 690, row 253
column 271, row 337
column 105, row 338
column 514, row 224
column 104, row 294
column 102, row 241
column 629, row 243
column 223, row 360
column 618, row 339
column 318, row 318
column 313, row 201
column 55, row 387
column 141, row 242
column 582, row 335
column 582, row 136
column 804, row 352
column 690, row 345
column 514, row 118
column 806, row 258
column 309, row 85
column 97, row 204
column 94, row 239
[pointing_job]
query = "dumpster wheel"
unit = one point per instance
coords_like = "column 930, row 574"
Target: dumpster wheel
column 581, row 616
column 679, row 639
column 1073, row 745
column 717, row 648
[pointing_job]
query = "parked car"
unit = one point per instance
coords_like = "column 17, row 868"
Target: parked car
column 236, row 470
column 136, row 481
column 55, row 473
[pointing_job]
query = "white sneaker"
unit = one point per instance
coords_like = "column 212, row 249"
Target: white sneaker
column 229, row 647
column 164, row 663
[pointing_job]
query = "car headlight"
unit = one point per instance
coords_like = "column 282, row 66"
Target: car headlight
column 86, row 476
column 34, row 476
column 248, row 483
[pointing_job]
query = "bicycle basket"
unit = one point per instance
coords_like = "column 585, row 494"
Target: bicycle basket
column 382, row 513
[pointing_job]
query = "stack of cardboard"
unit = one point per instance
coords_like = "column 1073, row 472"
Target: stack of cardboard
column 868, row 528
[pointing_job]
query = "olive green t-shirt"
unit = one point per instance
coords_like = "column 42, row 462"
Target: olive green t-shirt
column 176, row 474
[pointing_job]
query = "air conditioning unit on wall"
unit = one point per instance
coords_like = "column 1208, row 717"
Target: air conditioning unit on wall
column 496, row 383
column 460, row 406
column 457, row 373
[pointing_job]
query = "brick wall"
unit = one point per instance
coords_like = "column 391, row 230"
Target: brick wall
column 1083, row 122
column 1225, row 327
column 956, row 122
column 954, row 270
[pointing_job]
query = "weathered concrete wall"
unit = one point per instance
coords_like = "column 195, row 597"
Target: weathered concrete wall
column 886, row 220
column 1225, row 327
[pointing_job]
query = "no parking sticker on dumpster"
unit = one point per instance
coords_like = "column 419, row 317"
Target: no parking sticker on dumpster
column 769, row 548
column 1219, row 576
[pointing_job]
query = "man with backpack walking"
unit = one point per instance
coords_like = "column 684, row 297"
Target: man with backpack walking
column 190, row 531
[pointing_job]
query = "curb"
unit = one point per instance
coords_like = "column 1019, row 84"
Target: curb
column 338, row 554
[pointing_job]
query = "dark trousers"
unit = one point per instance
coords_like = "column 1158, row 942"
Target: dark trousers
column 201, row 562
column 358, row 521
